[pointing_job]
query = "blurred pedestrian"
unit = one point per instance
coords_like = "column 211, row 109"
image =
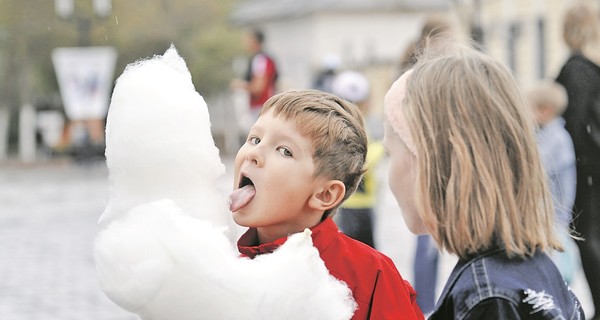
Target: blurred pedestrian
column 356, row 217
column 260, row 78
column 580, row 75
column 435, row 27
column 425, row 264
column 326, row 73
column 548, row 100
column 464, row 167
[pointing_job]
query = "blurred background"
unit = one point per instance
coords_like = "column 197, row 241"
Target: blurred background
column 304, row 37
column 59, row 57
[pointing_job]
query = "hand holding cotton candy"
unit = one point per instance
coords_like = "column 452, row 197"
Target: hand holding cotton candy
column 163, row 252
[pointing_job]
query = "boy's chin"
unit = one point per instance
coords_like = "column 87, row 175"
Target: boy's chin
column 239, row 218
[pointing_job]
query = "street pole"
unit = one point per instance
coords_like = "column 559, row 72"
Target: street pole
column 91, row 125
column 27, row 130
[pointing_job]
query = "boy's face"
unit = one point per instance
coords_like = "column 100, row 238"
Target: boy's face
column 278, row 162
column 250, row 43
column 543, row 114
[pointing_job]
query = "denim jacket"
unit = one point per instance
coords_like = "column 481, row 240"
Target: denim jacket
column 493, row 286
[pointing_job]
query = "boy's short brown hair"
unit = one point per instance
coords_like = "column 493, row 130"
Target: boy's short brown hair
column 337, row 131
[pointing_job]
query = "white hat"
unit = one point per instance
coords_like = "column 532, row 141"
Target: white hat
column 351, row 86
column 331, row 61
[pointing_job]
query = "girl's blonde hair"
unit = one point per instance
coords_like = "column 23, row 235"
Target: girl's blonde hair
column 336, row 128
column 479, row 179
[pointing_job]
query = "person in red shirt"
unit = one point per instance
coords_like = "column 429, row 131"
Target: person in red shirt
column 261, row 74
column 303, row 157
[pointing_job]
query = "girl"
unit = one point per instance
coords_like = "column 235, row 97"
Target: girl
column 464, row 167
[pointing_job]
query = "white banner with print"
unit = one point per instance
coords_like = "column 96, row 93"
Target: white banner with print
column 85, row 79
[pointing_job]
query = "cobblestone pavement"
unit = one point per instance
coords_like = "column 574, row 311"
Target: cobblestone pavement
column 48, row 215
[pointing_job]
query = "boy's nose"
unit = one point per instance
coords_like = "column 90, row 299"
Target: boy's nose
column 255, row 157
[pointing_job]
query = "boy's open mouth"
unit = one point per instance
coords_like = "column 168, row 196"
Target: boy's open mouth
column 241, row 196
column 244, row 181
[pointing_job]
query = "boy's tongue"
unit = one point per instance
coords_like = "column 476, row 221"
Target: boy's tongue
column 241, row 197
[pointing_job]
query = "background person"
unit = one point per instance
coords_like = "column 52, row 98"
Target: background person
column 548, row 100
column 260, row 78
column 425, row 264
column 580, row 75
column 356, row 217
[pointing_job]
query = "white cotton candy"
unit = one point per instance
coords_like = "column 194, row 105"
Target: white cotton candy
column 163, row 251
column 158, row 141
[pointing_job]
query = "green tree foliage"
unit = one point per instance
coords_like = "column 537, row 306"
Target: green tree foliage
column 30, row 30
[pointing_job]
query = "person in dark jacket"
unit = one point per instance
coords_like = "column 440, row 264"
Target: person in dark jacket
column 303, row 157
column 580, row 75
column 425, row 265
column 464, row 167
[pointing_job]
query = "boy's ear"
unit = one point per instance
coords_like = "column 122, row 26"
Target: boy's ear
column 328, row 195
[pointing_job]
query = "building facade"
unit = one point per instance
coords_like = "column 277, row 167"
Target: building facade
column 363, row 35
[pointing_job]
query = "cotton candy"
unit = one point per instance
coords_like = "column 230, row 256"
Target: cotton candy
column 163, row 250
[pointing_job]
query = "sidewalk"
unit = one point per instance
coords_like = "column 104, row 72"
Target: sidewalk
column 48, row 217
column 47, row 226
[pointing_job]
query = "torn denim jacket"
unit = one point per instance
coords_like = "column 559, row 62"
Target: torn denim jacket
column 493, row 286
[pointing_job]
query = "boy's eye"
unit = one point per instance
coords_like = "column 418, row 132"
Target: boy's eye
column 285, row 151
column 254, row 140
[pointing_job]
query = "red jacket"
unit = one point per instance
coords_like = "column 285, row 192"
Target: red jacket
column 376, row 284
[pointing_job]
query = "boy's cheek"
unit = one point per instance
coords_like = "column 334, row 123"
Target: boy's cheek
column 238, row 158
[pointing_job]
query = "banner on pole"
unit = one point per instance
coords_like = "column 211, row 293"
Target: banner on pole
column 85, row 79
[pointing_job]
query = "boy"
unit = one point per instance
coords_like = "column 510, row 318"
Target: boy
column 548, row 101
column 303, row 157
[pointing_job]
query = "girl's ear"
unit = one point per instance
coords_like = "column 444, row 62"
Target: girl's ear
column 329, row 195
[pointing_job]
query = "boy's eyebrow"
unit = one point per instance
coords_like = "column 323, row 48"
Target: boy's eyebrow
column 256, row 127
column 289, row 139
column 285, row 136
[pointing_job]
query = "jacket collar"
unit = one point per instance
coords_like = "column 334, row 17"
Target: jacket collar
column 322, row 236
column 461, row 266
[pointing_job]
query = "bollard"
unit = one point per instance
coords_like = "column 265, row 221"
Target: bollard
column 27, row 144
